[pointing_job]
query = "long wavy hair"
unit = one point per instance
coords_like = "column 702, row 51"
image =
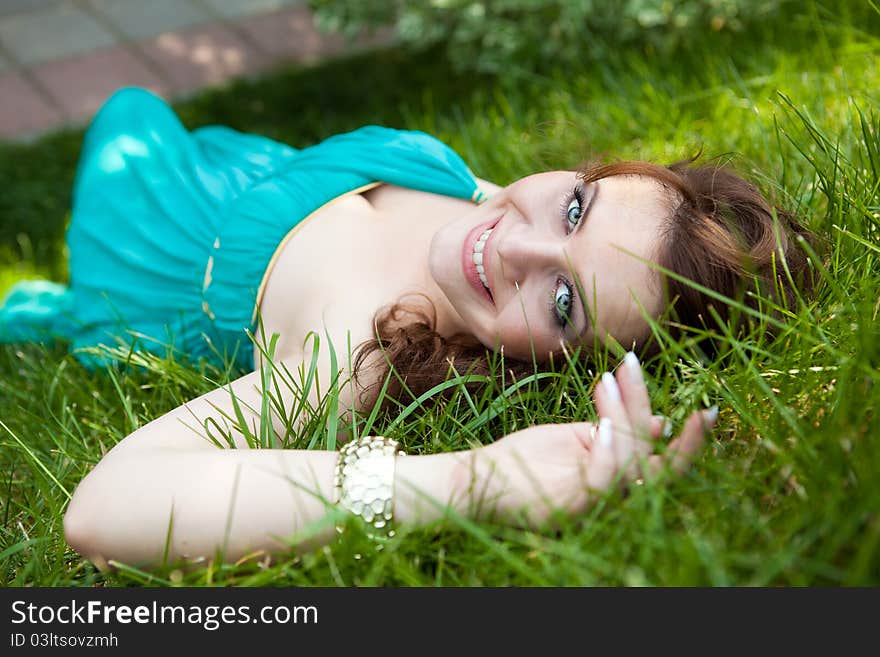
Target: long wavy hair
column 721, row 233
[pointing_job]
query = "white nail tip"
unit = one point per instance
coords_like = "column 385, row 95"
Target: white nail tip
column 711, row 414
column 611, row 386
column 633, row 367
column 605, row 432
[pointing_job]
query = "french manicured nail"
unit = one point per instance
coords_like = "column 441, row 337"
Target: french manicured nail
column 611, row 386
column 633, row 366
column 605, row 432
column 711, row 414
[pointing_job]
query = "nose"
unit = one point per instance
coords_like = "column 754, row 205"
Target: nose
column 523, row 251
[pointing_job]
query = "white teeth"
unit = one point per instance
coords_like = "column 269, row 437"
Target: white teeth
column 478, row 256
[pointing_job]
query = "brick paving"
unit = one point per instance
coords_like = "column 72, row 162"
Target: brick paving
column 81, row 84
column 23, row 110
column 60, row 59
column 203, row 56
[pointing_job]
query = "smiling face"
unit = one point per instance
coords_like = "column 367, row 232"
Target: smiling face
column 551, row 260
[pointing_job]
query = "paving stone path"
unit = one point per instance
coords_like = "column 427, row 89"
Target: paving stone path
column 60, row 59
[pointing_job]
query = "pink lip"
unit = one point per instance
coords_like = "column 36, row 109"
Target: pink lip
column 467, row 259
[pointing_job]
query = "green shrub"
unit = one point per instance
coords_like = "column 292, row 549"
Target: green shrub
column 495, row 35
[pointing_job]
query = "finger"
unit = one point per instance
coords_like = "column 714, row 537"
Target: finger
column 631, row 382
column 585, row 432
column 603, row 465
column 683, row 449
column 609, row 403
column 659, row 427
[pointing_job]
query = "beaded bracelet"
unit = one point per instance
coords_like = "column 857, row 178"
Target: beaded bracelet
column 364, row 482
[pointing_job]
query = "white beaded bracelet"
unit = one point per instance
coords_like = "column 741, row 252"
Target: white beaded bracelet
column 364, row 482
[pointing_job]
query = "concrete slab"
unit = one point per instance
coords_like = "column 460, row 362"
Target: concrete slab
column 238, row 8
column 23, row 111
column 60, row 30
column 137, row 19
column 13, row 6
column 202, row 56
column 82, row 84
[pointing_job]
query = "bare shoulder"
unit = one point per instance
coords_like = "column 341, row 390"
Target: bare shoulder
column 386, row 193
column 393, row 198
column 488, row 187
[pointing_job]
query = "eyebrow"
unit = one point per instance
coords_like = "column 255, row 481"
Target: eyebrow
column 577, row 281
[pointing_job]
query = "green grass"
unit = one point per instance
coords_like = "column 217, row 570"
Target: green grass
column 787, row 491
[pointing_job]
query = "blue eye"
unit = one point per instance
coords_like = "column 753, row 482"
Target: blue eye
column 562, row 303
column 573, row 212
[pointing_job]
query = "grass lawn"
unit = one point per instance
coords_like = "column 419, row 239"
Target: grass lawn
column 786, row 492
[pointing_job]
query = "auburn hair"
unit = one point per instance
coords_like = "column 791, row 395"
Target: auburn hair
column 721, row 234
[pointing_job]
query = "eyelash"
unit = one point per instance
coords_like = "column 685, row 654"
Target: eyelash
column 577, row 192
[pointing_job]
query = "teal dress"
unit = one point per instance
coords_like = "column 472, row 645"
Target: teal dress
column 173, row 233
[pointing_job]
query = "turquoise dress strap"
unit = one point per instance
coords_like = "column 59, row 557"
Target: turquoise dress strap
column 173, row 231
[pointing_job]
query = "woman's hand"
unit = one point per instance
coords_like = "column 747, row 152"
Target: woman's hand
column 530, row 473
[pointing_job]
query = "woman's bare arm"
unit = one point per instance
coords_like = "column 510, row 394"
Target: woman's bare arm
column 144, row 507
column 165, row 492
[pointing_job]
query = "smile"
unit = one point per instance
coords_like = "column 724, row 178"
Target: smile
column 474, row 264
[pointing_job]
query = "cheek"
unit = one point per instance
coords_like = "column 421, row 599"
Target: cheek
column 444, row 257
column 521, row 338
column 622, row 307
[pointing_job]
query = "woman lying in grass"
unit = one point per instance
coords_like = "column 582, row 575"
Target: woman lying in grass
column 383, row 240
